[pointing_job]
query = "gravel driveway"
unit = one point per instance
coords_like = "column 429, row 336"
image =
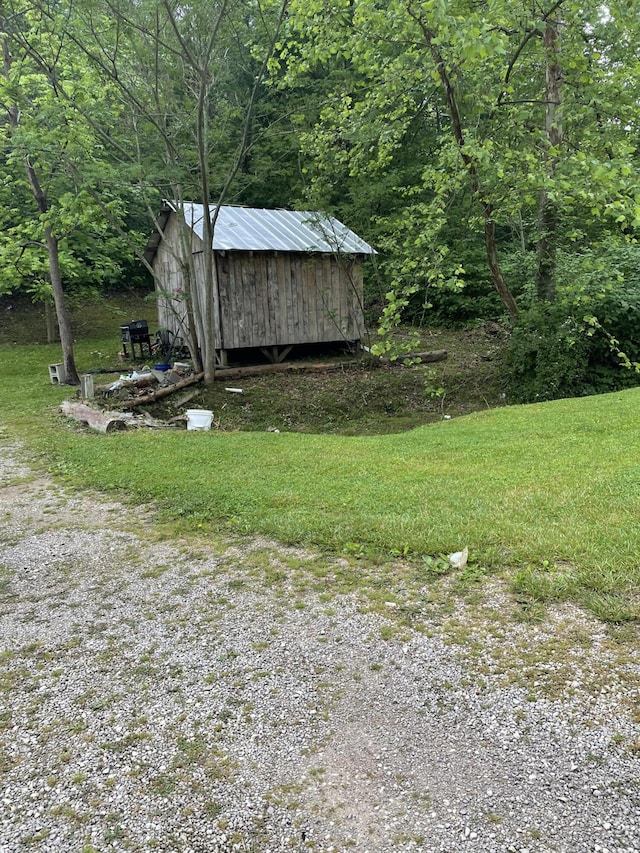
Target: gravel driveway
column 165, row 697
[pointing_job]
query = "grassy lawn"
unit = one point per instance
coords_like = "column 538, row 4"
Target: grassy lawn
column 548, row 495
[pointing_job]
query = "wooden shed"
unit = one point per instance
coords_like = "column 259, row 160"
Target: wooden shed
column 282, row 277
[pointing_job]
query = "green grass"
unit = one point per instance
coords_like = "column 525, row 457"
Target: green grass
column 548, row 494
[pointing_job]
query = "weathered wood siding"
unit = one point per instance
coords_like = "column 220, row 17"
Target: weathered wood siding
column 277, row 299
column 171, row 270
column 198, row 294
column 262, row 298
column 168, row 266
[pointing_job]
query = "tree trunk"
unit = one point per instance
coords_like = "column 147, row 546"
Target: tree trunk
column 185, row 260
column 210, row 283
column 491, row 247
column 547, row 211
column 64, row 326
column 192, row 332
column 210, row 300
column 53, row 334
column 471, row 166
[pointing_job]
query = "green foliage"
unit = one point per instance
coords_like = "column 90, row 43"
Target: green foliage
column 58, row 104
column 92, row 255
column 587, row 341
column 547, row 356
column 386, row 134
column 474, row 297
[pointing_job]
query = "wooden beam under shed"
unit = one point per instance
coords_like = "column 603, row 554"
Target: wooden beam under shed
column 275, row 354
column 289, row 367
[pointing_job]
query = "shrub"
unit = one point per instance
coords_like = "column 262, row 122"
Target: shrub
column 577, row 345
column 547, row 356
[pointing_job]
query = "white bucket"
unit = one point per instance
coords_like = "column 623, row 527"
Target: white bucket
column 199, row 419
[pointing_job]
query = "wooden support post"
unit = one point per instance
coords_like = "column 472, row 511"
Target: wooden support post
column 275, row 354
column 87, row 390
column 284, row 353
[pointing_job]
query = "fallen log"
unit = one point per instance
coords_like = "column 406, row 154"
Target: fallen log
column 95, row 418
column 432, row 355
column 162, row 392
column 224, row 373
column 419, row 357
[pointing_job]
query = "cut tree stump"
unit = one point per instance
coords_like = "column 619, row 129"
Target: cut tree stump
column 95, row 418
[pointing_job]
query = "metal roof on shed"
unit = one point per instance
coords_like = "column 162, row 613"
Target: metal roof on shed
column 258, row 229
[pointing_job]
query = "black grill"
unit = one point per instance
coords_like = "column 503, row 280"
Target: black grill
column 135, row 333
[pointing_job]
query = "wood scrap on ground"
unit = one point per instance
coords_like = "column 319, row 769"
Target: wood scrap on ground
column 141, row 380
column 105, row 420
column 98, row 419
column 162, row 392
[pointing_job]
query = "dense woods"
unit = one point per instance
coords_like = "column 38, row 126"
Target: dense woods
column 487, row 149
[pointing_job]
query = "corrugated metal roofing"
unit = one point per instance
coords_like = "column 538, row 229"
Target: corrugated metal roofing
column 258, row 229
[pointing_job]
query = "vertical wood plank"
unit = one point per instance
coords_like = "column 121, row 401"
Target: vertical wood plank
column 314, row 297
column 358, row 315
column 320, row 294
column 343, row 296
column 243, row 308
column 347, row 290
column 235, row 316
column 217, row 313
column 263, row 283
column 294, row 293
column 303, row 304
column 322, row 308
column 335, row 329
column 326, row 301
column 284, row 267
column 260, row 291
column 198, row 295
column 309, row 317
column 273, row 298
column 227, row 328
column 253, row 299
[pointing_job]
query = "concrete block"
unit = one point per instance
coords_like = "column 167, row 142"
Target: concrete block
column 57, row 374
